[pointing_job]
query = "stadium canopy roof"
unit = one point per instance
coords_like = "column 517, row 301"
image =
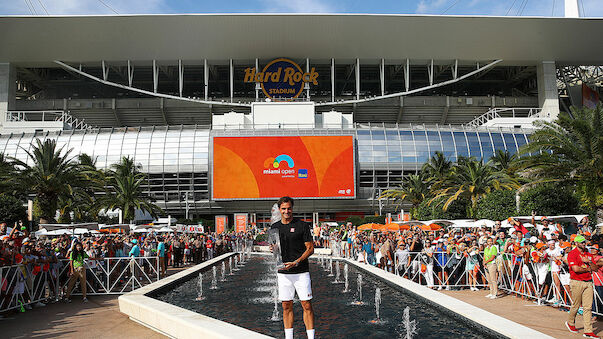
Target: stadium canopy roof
column 217, row 37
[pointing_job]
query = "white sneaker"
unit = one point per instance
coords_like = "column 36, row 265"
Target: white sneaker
column 493, row 297
column 439, row 288
column 447, row 288
column 488, row 296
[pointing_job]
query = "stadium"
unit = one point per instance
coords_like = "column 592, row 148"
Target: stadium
column 203, row 103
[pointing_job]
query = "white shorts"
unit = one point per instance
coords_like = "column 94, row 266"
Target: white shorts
column 288, row 284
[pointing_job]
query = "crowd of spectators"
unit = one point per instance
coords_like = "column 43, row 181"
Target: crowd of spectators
column 526, row 260
column 63, row 260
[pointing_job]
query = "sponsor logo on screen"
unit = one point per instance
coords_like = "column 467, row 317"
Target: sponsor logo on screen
column 302, row 173
column 281, row 79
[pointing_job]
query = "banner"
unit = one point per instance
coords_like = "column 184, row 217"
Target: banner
column 271, row 167
column 190, row 228
column 221, row 222
column 590, row 97
column 240, row 222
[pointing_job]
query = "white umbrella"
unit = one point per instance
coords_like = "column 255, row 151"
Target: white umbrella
column 140, row 230
column 485, row 223
column 42, row 232
column 59, row 232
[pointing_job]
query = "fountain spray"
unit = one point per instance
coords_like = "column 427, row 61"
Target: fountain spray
column 410, row 326
column 214, row 282
column 330, row 267
column 337, row 273
column 275, row 316
column 223, row 272
column 230, row 265
column 200, row 287
column 377, row 303
column 345, row 276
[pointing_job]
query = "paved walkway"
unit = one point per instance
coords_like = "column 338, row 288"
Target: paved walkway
column 98, row 318
column 545, row 319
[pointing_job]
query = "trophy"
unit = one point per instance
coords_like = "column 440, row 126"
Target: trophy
column 275, row 242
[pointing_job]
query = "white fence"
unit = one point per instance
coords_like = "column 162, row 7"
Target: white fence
column 21, row 285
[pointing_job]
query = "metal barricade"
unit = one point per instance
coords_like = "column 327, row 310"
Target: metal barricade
column 22, row 285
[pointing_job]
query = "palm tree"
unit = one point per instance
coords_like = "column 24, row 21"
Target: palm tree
column 9, row 176
column 81, row 201
column 125, row 190
column 413, row 189
column 437, row 170
column 472, row 179
column 570, row 151
column 53, row 175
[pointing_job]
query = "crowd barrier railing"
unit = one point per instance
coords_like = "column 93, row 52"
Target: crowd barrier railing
column 26, row 284
column 515, row 275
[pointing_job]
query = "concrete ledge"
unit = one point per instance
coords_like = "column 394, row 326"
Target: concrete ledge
column 484, row 318
column 319, row 250
column 174, row 321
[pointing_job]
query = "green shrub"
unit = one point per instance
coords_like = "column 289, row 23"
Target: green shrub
column 549, row 199
column 355, row 220
column 12, row 210
column 427, row 211
column 497, row 205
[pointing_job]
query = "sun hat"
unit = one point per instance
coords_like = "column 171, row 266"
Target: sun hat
column 565, row 245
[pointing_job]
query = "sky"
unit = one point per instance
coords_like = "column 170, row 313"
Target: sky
column 590, row 8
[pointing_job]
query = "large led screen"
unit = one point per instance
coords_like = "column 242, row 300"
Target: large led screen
column 271, row 167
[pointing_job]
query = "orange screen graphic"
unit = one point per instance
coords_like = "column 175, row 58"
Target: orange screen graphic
column 270, row 167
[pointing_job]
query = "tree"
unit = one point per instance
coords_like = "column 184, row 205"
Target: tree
column 81, row 201
column 52, row 175
column 569, row 151
column 11, row 209
column 471, row 179
column 497, row 205
column 549, row 199
column 125, row 190
column 413, row 189
column 437, row 170
column 503, row 161
column 9, row 176
column 429, row 211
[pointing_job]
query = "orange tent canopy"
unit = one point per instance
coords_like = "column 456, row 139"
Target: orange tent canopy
column 431, row 227
column 371, row 226
column 396, row 227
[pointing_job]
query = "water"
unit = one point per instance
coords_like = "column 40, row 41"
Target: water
column 200, row 288
column 409, row 326
column 359, row 285
column 236, row 264
column 377, row 303
column 330, row 267
column 345, row 276
column 241, row 301
column 230, row 265
column 214, row 282
column 337, row 274
column 275, row 316
column 223, row 271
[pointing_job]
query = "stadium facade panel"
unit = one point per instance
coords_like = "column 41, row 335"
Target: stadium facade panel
column 177, row 158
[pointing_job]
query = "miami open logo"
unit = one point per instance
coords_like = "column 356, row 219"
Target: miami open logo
column 283, row 165
column 282, row 79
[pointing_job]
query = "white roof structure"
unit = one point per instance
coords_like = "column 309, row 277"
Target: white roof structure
column 193, row 37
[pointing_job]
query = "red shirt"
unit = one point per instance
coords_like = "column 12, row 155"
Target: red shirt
column 575, row 258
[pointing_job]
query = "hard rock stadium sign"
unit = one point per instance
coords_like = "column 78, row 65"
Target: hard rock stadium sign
column 281, row 79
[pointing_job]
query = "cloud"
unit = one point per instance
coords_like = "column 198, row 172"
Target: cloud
column 428, row 6
column 82, row 7
column 297, row 6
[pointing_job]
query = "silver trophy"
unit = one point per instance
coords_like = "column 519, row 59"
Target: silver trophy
column 275, row 241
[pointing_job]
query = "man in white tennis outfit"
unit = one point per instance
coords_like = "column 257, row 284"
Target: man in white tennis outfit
column 296, row 246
